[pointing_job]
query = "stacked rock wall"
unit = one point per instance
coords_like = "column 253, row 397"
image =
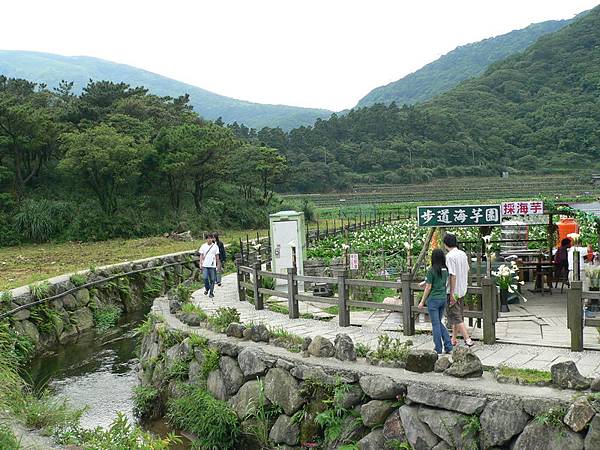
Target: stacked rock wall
column 377, row 407
column 64, row 318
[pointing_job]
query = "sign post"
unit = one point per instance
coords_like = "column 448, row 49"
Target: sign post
column 459, row 216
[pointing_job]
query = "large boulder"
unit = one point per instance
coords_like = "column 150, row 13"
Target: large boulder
column 500, row 421
column 321, row 347
column 216, row 386
column 418, row 433
column 421, row 360
column 448, row 426
column 352, row 397
column 28, row 329
column 344, row 348
column 537, row 436
column 465, row 364
column 393, row 429
column 565, row 375
column 535, row 406
column 284, row 431
column 380, row 387
column 372, row 441
column 283, row 390
column 579, row 414
column 235, row 330
column 438, row 398
column 70, row 302
column 233, row 378
column 252, row 362
column 441, row 364
column 595, row 385
column 375, row 412
column 82, row 296
column 592, row 439
column 83, row 319
column 248, row 398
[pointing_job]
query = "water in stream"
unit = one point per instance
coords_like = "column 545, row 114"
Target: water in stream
column 97, row 371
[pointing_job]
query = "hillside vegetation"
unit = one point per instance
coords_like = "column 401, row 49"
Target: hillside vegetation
column 460, row 64
column 119, row 162
column 537, row 112
column 51, row 69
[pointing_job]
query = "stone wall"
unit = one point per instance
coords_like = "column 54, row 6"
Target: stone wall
column 64, row 318
column 378, row 407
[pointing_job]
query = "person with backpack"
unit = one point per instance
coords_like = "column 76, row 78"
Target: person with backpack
column 222, row 257
column 435, row 298
column 209, row 264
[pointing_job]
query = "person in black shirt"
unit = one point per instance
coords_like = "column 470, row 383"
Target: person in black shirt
column 222, row 256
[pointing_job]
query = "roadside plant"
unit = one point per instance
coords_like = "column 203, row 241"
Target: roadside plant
column 106, row 317
column 143, row 400
column 223, row 317
column 78, row 279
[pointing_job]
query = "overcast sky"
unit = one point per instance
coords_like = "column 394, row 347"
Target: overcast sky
column 315, row 53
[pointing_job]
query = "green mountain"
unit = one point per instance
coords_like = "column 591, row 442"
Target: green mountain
column 536, row 112
column 460, row 64
column 51, row 69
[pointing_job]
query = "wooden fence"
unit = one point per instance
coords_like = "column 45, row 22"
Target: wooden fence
column 250, row 279
column 576, row 320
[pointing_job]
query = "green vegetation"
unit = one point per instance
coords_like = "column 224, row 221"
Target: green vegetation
column 212, row 357
column 260, row 417
column 553, row 418
column 170, row 337
column 106, row 317
column 120, row 435
column 534, row 112
column 97, row 151
column 8, row 440
column 528, row 376
column 471, row 430
column 278, row 308
column 223, row 317
column 40, row 290
column 460, row 64
column 143, row 400
column 52, row 69
column 291, row 341
column 184, row 292
column 212, row 421
column 145, row 328
column 78, row 279
column 190, row 308
column 390, row 349
column 362, row 350
column 178, row 370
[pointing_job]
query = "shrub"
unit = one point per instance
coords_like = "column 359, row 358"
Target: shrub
column 389, row 349
column 178, row 370
column 120, row 435
column 8, row 441
column 213, row 421
column 362, row 350
column 211, row 361
column 170, row 337
column 223, row 317
column 39, row 220
column 190, row 308
column 197, row 341
column 40, row 290
column 78, row 279
column 145, row 328
column 106, row 317
column 184, row 293
column 143, row 400
column 44, row 318
column 153, row 287
column 5, row 298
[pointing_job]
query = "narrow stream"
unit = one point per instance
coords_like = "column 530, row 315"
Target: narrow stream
column 97, row 371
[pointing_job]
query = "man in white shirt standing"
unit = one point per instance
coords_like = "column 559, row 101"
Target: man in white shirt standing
column 458, row 269
column 209, row 263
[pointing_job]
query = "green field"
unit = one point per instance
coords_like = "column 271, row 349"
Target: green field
column 565, row 187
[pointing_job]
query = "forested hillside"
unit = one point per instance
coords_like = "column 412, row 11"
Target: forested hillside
column 460, row 64
column 52, row 69
column 117, row 161
column 536, row 112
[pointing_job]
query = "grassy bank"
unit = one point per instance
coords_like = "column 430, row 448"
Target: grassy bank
column 26, row 264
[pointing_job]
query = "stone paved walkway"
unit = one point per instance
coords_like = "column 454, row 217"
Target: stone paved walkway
column 514, row 355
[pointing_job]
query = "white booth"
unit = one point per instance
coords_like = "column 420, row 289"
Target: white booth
column 287, row 231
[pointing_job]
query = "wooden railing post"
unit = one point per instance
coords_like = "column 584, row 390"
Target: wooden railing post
column 575, row 315
column 240, row 278
column 488, row 306
column 292, row 286
column 258, row 298
column 343, row 297
column 408, row 320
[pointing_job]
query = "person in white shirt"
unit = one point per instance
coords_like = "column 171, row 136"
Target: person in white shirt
column 209, row 263
column 458, row 269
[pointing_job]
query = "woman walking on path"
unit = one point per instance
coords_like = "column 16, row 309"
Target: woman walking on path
column 435, row 297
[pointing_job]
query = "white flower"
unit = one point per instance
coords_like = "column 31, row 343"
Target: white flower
column 407, row 246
